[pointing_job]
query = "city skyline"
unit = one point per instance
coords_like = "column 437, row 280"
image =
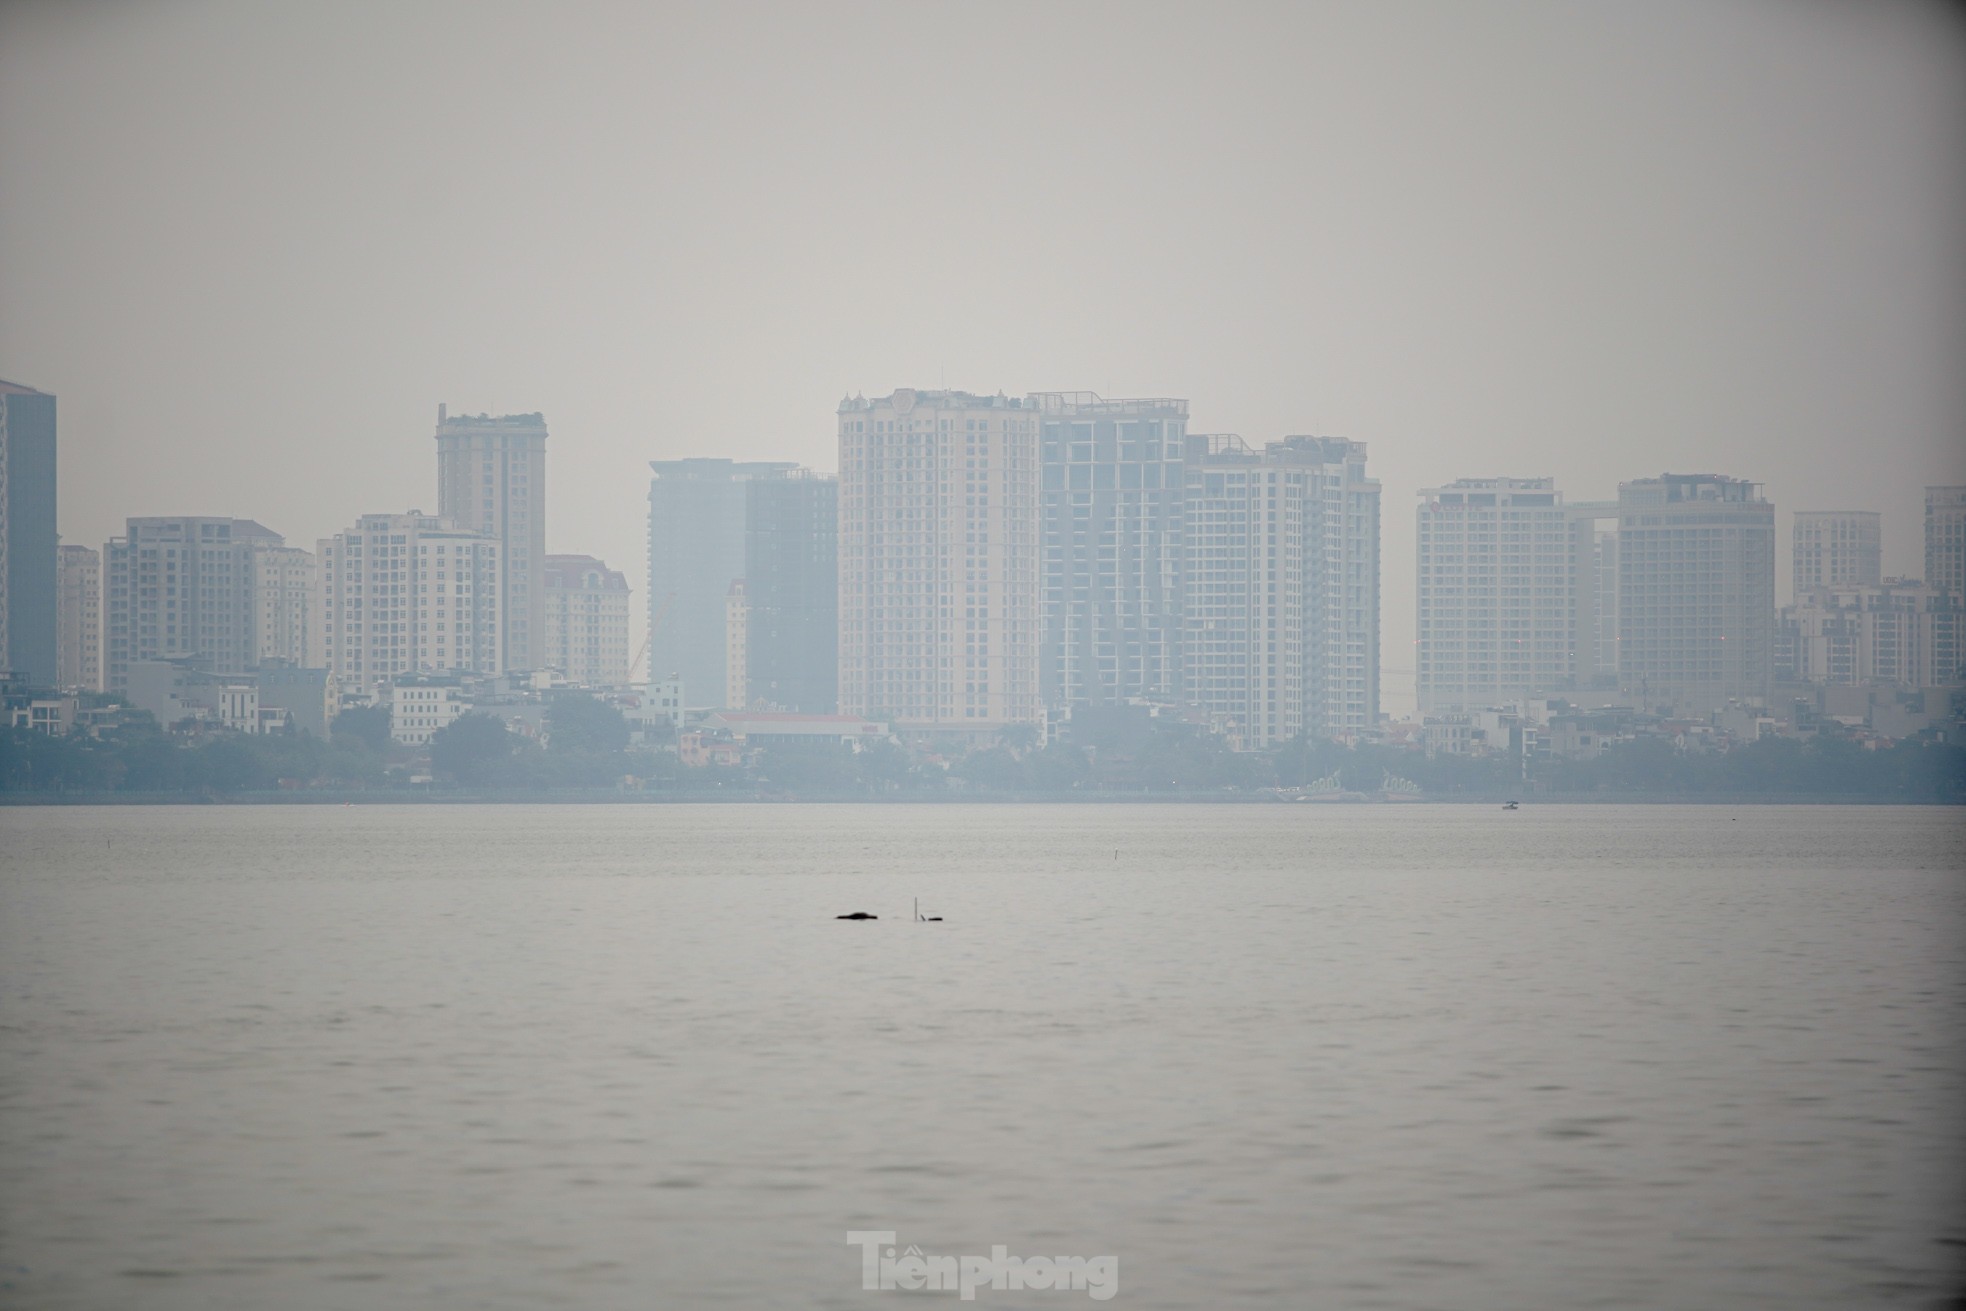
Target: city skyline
column 1647, row 253
column 1126, row 595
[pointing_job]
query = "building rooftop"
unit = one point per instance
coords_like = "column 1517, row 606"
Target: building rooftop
column 904, row 399
column 17, row 389
column 567, row 571
column 1087, row 402
column 709, row 468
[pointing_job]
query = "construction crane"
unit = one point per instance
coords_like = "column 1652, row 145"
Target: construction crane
column 654, row 624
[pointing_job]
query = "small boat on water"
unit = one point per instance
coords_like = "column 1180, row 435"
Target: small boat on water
column 1511, row 805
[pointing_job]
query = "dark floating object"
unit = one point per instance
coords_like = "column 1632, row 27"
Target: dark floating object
column 857, row 915
column 924, row 919
column 1510, row 805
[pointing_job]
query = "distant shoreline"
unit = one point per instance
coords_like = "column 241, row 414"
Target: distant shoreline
column 733, row 797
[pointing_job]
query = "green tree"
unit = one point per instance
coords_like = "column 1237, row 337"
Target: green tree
column 576, row 721
column 994, row 769
column 473, row 749
column 368, row 725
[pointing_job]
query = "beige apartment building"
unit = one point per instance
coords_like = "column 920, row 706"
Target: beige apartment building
column 491, row 479
column 78, row 618
column 408, row 594
column 586, row 621
column 938, row 560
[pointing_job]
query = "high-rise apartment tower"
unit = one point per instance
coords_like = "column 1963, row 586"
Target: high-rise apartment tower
column 1111, row 548
column 698, row 512
column 1497, row 569
column 78, row 618
column 491, row 479
column 27, row 533
column 1945, row 540
column 229, row 592
column 938, row 560
column 586, row 621
column 1696, row 591
column 1837, row 548
column 1281, row 587
column 411, row 593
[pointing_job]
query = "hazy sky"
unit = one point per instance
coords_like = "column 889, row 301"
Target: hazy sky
column 252, row 246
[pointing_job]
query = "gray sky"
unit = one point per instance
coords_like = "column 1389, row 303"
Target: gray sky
column 252, row 245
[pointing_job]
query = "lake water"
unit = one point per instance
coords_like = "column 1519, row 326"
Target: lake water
column 1311, row 1057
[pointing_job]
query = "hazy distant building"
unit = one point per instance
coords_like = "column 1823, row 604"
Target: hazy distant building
column 1111, row 548
column 938, row 560
column 1497, row 620
column 411, row 593
column 1696, row 590
column 27, row 533
column 307, row 695
column 1837, row 548
column 78, row 618
column 421, row 706
column 586, row 621
column 286, row 597
column 1592, row 579
column 1945, row 539
column 491, row 478
column 1281, row 587
column 1900, row 632
column 228, row 592
column 697, row 517
column 791, row 594
column 737, row 641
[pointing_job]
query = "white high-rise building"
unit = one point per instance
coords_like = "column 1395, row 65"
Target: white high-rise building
column 938, row 560
column 1899, row 632
column 1696, row 591
column 1837, row 548
column 78, row 618
column 1945, row 540
column 586, row 621
column 410, row 593
column 208, row 588
column 1497, row 619
column 1280, row 596
column 491, row 479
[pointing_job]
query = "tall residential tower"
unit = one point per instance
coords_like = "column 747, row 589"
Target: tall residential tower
column 411, row 593
column 1696, row 591
column 1837, row 548
column 938, row 560
column 1111, row 554
column 1945, row 540
column 586, row 621
column 698, row 509
column 1497, row 615
column 78, row 610
column 229, row 592
column 1280, row 592
column 491, row 479
column 791, row 594
column 27, row 533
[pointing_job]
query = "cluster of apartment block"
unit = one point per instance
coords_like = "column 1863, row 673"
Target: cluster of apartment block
column 193, row 611
column 1664, row 599
column 986, row 561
